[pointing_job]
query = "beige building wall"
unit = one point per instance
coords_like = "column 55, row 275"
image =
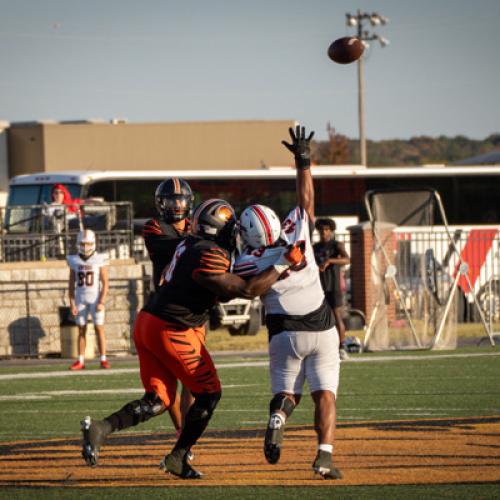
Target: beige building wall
column 31, row 294
column 52, row 147
column 4, row 164
column 25, row 145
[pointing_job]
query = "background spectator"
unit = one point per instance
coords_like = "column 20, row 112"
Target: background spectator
column 330, row 255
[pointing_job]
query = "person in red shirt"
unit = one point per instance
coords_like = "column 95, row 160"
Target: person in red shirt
column 61, row 196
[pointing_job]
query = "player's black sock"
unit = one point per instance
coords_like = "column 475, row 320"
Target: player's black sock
column 197, row 419
column 190, row 434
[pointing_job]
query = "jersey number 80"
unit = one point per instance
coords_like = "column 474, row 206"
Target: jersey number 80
column 85, row 278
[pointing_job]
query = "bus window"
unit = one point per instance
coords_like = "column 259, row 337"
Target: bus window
column 24, row 195
column 101, row 189
column 279, row 194
column 339, row 196
column 477, row 199
column 141, row 193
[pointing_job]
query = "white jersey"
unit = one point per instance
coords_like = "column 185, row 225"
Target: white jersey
column 87, row 276
column 296, row 292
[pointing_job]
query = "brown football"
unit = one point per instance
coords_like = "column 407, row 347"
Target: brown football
column 346, row 50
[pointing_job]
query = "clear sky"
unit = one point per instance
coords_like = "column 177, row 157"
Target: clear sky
column 198, row 60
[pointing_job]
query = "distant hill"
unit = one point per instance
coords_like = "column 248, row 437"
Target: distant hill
column 415, row 151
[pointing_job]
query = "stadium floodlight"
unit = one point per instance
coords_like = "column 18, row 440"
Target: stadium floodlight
column 383, row 41
column 357, row 20
column 351, row 20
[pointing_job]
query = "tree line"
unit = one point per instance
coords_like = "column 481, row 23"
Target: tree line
column 341, row 150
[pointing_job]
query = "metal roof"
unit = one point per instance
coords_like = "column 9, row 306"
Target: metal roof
column 491, row 158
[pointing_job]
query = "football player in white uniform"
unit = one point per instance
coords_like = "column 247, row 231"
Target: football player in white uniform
column 303, row 340
column 88, row 287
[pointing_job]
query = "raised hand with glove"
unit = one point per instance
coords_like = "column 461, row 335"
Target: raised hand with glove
column 300, row 146
column 292, row 256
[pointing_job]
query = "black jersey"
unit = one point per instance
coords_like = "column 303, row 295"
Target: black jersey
column 161, row 240
column 180, row 299
column 330, row 278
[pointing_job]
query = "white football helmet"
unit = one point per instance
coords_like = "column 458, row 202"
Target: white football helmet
column 259, row 226
column 86, row 243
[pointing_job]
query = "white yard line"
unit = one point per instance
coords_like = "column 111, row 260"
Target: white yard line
column 104, row 373
column 413, row 357
column 242, row 364
column 74, row 392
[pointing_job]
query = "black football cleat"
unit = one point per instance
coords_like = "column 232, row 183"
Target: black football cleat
column 273, row 439
column 177, row 464
column 94, row 436
column 323, row 465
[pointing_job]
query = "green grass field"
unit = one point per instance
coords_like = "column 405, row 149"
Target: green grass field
column 44, row 400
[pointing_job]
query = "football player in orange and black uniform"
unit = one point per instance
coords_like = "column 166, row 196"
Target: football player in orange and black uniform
column 170, row 338
column 174, row 201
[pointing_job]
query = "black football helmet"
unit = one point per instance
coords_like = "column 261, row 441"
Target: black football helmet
column 215, row 220
column 174, row 199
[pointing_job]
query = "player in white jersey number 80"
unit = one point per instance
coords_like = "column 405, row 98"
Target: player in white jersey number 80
column 88, row 288
column 303, row 340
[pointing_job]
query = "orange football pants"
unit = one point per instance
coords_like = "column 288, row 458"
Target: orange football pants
column 168, row 352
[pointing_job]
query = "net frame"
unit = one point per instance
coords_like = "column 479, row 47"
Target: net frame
column 408, row 214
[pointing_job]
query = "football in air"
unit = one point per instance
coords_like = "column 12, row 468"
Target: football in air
column 346, row 50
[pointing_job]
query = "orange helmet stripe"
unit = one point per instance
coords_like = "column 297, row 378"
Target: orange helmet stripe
column 177, row 185
column 198, row 211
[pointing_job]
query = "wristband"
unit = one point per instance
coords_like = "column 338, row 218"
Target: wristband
column 302, row 163
column 281, row 268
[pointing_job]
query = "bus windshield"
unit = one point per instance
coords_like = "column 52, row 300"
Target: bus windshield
column 37, row 194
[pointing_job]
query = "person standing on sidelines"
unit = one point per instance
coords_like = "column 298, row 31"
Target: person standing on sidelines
column 303, row 340
column 169, row 333
column 330, row 255
column 174, row 202
column 88, row 288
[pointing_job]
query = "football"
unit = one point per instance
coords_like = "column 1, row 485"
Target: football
column 346, row 50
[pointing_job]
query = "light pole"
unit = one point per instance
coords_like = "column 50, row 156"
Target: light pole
column 365, row 36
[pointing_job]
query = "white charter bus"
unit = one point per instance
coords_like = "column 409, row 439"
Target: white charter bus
column 470, row 195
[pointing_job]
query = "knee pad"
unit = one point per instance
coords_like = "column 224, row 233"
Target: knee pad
column 155, row 404
column 150, row 405
column 135, row 412
column 203, row 406
column 283, row 403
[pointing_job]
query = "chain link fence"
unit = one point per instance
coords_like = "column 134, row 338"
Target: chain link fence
column 48, row 232
column 478, row 247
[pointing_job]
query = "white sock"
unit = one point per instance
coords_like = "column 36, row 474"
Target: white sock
column 81, row 359
column 103, row 357
column 326, row 447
